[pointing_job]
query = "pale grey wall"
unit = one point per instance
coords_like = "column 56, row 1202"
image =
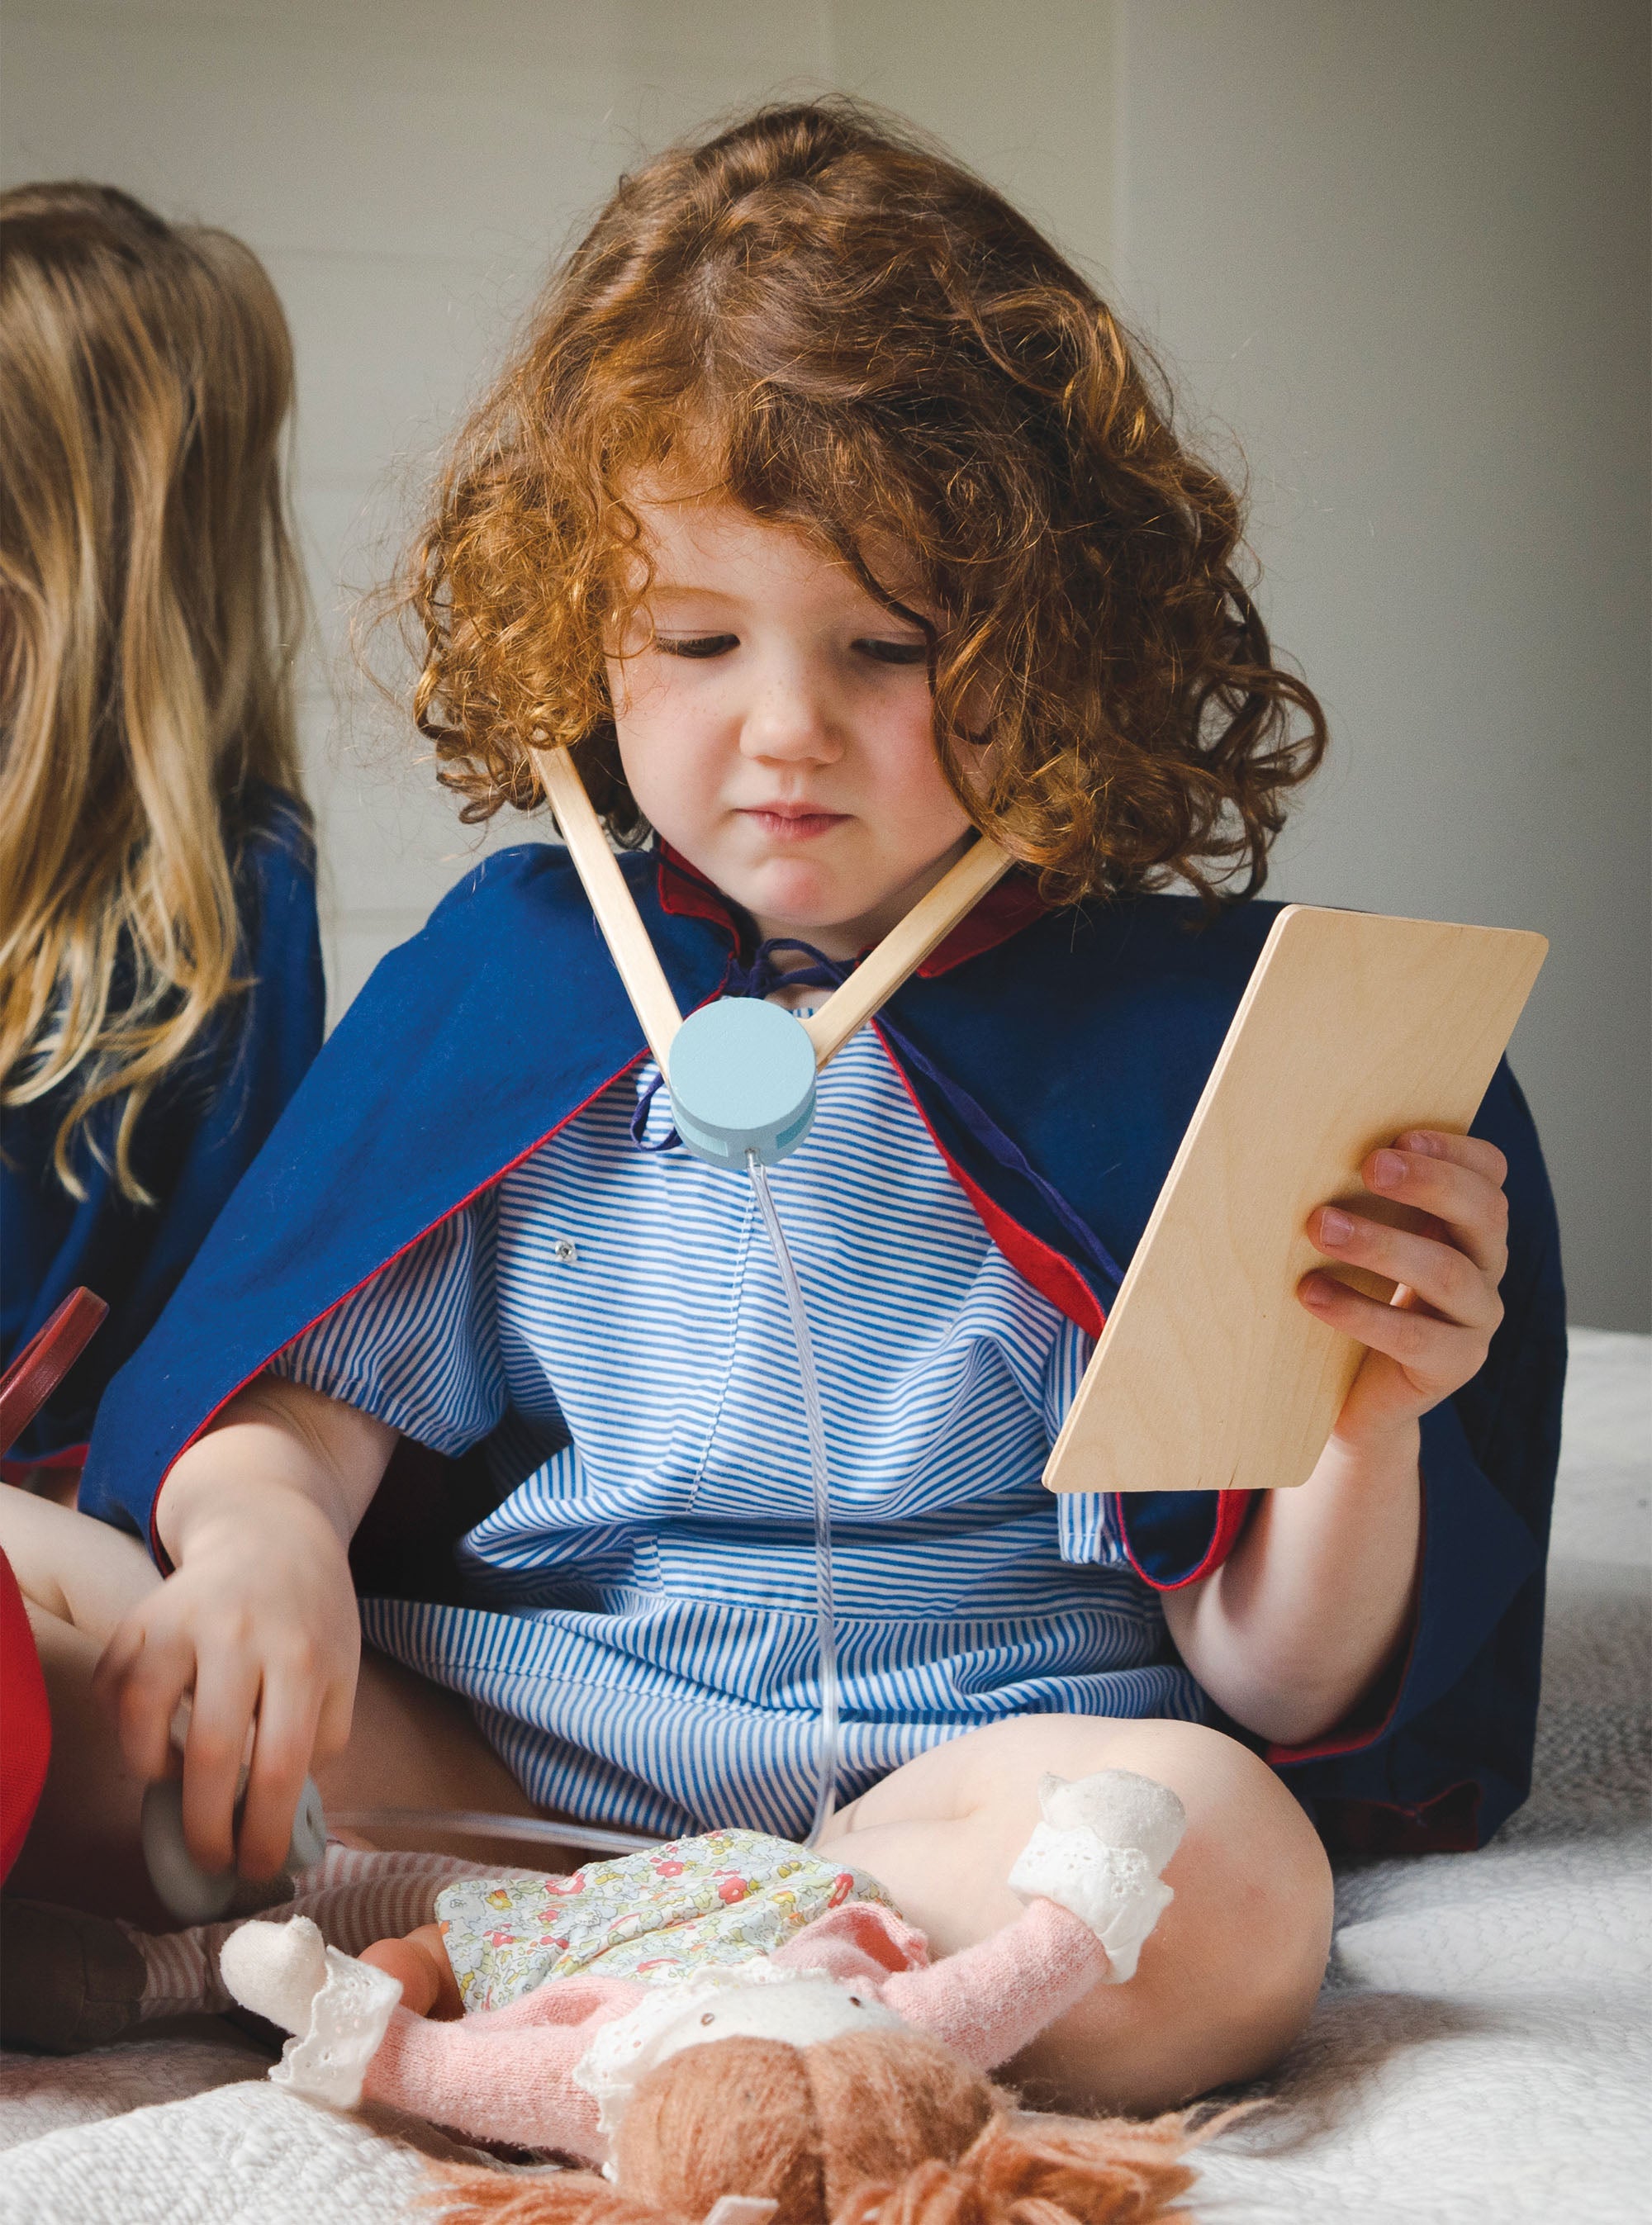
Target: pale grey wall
column 1400, row 255
column 406, row 168
column 1396, row 253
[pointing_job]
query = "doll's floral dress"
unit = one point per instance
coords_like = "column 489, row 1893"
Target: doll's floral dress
column 723, row 1899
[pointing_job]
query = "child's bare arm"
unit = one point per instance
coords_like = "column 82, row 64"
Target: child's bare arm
column 258, row 1621
column 1313, row 1603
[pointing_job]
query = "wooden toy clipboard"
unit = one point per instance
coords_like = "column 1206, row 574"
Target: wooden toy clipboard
column 1210, row 1374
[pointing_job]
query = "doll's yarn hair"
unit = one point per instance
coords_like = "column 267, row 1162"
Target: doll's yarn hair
column 874, row 2129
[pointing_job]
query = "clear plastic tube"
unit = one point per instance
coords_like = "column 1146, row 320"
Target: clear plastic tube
column 534, row 1830
column 825, row 1618
column 479, row 1823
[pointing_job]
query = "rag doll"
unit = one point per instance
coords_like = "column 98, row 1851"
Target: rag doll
column 733, row 2021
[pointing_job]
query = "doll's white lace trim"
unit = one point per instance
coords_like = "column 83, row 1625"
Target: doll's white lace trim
column 622, row 2053
column 348, row 2020
column 1097, row 1853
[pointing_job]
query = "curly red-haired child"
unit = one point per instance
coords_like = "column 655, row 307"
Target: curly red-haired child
column 827, row 515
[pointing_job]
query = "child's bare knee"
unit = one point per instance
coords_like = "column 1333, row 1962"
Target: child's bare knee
column 1275, row 1939
column 1230, row 1976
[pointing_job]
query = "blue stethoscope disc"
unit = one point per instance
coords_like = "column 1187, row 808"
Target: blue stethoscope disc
column 742, row 1080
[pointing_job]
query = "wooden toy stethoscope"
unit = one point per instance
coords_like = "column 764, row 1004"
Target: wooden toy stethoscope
column 741, row 1075
column 741, row 1071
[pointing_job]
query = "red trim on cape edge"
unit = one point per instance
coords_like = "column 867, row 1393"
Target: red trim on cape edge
column 1051, row 1275
column 1008, row 906
column 684, row 891
column 14, row 1470
column 1233, row 1509
column 158, row 1553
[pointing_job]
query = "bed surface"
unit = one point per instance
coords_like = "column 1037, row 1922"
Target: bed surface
column 1482, row 2048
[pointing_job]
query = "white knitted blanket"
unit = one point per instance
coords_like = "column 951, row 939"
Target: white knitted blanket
column 1481, row 2049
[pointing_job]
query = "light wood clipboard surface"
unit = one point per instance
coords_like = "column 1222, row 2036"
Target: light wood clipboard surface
column 1210, row 1374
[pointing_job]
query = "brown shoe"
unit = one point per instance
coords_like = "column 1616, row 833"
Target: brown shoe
column 67, row 1979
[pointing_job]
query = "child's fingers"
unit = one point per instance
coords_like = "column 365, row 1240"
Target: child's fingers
column 1439, row 1274
column 227, row 1693
column 281, row 1762
column 332, row 1724
column 1458, row 1180
column 1438, row 1356
column 141, row 1676
column 1470, row 1151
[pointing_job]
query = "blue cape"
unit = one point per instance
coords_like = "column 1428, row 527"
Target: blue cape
column 201, row 1129
column 1086, row 1038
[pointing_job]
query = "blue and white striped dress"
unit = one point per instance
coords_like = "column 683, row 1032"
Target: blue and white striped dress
column 639, row 1637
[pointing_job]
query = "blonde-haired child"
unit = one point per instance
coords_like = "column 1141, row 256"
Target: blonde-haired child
column 159, row 973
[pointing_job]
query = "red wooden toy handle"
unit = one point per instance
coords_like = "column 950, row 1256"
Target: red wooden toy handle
column 44, row 1362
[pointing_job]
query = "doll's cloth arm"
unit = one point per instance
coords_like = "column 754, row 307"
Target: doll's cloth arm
column 504, row 2074
column 990, row 2000
column 861, row 1940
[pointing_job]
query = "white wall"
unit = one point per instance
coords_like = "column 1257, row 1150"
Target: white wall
column 1398, row 254
column 406, row 171
column 1395, row 250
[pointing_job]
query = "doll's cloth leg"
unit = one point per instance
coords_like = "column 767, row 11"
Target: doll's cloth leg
column 336, row 2007
column 992, row 2000
column 1089, row 1873
column 67, row 1980
column 353, row 1896
column 1098, row 1852
column 504, row 2073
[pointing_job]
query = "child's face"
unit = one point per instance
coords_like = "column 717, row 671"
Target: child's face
column 777, row 729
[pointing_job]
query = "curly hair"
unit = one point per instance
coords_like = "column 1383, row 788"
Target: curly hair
column 860, row 342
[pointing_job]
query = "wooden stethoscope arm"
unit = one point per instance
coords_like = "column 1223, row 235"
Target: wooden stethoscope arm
column 899, row 955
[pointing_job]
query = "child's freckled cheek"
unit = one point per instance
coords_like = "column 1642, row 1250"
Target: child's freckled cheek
column 663, row 745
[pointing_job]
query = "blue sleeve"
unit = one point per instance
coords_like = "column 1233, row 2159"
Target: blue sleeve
column 417, row 1346
column 199, row 1132
column 1084, row 1525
